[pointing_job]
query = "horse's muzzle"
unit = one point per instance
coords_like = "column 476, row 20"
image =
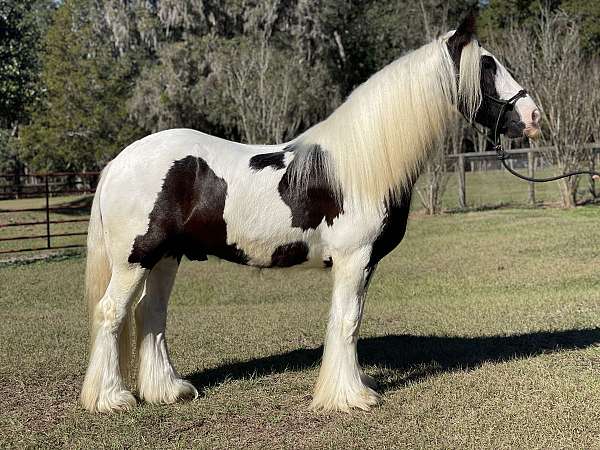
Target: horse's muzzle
column 532, row 132
column 514, row 129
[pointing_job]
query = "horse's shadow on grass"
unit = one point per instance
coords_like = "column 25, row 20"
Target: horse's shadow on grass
column 405, row 359
column 77, row 207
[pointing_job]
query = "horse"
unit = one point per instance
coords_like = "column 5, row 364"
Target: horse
column 337, row 197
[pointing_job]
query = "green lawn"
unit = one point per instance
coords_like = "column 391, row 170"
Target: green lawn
column 493, row 188
column 482, row 330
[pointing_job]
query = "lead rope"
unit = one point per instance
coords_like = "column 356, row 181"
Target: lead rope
column 503, row 156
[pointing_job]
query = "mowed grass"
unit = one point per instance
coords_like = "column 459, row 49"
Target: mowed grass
column 482, row 330
column 493, row 188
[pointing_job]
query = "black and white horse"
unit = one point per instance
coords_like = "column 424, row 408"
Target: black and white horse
column 337, row 196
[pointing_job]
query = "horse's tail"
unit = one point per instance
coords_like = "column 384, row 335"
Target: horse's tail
column 97, row 269
column 97, row 277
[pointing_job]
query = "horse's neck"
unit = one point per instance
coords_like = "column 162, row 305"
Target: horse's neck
column 379, row 138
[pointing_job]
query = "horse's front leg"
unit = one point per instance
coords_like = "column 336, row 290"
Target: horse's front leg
column 342, row 384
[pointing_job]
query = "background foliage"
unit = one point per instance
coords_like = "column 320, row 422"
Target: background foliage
column 80, row 79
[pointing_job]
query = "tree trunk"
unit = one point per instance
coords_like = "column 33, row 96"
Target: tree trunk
column 568, row 192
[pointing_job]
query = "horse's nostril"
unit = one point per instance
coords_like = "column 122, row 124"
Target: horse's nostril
column 535, row 116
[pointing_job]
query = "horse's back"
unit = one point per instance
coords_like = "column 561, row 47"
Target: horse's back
column 174, row 144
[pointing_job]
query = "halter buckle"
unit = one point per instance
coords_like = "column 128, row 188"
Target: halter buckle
column 501, row 154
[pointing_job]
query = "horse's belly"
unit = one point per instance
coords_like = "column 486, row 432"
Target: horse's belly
column 266, row 237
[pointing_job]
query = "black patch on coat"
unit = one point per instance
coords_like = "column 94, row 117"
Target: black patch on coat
column 314, row 201
column 187, row 218
column 392, row 228
column 489, row 111
column 290, row 254
column 328, row 262
column 461, row 37
column 264, row 160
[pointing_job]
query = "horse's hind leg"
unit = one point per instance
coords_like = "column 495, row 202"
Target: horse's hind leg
column 103, row 388
column 158, row 381
column 342, row 384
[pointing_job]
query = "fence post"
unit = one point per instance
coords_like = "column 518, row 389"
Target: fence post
column 593, row 165
column 462, row 195
column 47, row 211
column 17, row 180
column 531, row 174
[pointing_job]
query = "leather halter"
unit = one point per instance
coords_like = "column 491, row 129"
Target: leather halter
column 501, row 153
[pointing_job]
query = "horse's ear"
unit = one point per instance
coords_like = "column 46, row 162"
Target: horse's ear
column 464, row 33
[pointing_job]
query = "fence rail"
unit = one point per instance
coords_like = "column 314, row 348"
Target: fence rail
column 45, row 186
column 459, row 161
column 49, row 185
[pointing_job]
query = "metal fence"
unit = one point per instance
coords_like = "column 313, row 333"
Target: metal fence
column 43, row 186
column 47, row 186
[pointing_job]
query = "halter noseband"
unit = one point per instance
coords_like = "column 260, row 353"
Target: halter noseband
column 506, row 104
column 501, row 153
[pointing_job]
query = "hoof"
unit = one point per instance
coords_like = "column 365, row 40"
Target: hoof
column 114, row 402
column 363, row 398
column 172, row 392
column 184, row 390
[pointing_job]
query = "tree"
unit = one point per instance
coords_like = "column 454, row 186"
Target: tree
column 564, row 83
column 22, row 23
column 83, row 120
column 588, row 14
column 509, row 14
column 252, row 71
column 270, row 95
column 374, row 33
column 262, row 85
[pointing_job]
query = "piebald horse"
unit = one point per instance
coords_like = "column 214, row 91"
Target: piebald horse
column 336, row 196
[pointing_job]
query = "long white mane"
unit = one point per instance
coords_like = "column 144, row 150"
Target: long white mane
column 377, row 140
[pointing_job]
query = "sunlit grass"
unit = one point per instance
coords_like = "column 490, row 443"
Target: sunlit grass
column 481, row 329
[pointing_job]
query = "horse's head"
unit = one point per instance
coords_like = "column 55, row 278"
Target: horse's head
column 505, row 106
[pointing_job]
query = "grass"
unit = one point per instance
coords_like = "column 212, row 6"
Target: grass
column 493, row 188
column 482, row 330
